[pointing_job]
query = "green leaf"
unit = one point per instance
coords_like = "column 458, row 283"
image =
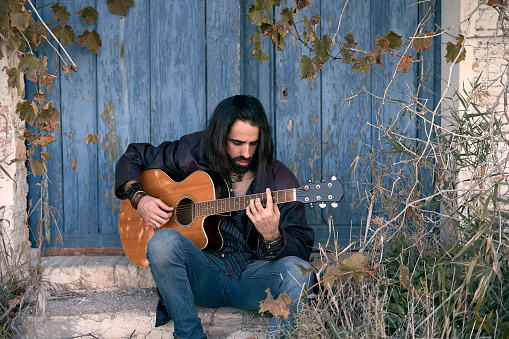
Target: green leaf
column 14, row 77
column 479, row 322
column 50, row 115
column 20, row 20
column 345, row 50
column 44, row 140
column 309, row 68
column 404, row 278
column 31, row 152
column 65, row 34
column 32, row 66
column 304, row 270
column 330, row 276
column 258, row 54
column 46, row 156
column 394, row 40
column 287, row 15
column 256, row 16
column 361, row 65
column 453, row 50
column 322, row 47
column 89, row 14
column 353, row 263
column 26, row 111
column 119, row 6
column 60, row 13
column 38, row 167
column 309, row 34
column 91, row 39
column 389, row 41
column 422, row 41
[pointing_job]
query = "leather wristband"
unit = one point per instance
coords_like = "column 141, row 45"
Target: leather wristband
column 135, row 200
column 133, row 189
column 271, row 245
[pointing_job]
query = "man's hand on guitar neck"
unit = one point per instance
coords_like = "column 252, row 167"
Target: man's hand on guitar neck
column 265, row 219
column 155, row 212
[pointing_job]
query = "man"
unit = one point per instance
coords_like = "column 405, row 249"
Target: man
column 262, row 244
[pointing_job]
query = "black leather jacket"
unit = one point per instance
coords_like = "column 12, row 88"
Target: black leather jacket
column 181, row 158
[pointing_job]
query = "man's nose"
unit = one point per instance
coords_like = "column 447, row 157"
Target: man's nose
column 245, row 151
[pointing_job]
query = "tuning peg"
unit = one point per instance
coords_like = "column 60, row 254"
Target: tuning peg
column 311, row 206
column 322, row 205
column 334, row 204
column 333, row 178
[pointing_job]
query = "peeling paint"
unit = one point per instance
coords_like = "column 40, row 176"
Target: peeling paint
column 289, row 127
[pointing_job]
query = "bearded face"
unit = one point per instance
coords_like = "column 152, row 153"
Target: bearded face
column 240, row 164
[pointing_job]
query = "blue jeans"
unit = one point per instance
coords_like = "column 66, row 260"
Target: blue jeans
column 187, row 276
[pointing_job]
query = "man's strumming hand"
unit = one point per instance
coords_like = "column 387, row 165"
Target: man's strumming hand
column 155, row 212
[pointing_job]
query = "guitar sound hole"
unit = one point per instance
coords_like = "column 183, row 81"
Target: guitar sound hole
column 184, row 212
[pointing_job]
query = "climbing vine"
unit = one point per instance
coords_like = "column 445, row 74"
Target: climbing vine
column 287, row 21
column 23, row 32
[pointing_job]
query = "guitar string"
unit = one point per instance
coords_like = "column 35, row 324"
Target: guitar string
column 189, row 208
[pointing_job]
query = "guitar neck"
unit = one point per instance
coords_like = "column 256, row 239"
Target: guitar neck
column 227, row 205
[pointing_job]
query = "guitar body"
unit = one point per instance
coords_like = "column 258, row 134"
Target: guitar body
column 200, row 186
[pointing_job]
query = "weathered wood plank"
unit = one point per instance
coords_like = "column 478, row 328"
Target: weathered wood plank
column 223, row 51
column 79, row 118
column 49, row 208
column 298, row 115
column 177, row 69
column 401, row 18
column 123, row 99
column 346, row 133
column 257, row 78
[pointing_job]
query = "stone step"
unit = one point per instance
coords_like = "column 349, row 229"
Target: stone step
column 81, row 272
column 109, row 297
column 130, row 313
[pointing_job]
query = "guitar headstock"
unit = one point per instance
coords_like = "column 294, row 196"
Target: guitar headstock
column 321, row 193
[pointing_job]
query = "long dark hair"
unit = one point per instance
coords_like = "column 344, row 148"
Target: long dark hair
column 240, row 107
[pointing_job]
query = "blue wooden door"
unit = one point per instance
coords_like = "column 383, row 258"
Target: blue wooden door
column 160, row 72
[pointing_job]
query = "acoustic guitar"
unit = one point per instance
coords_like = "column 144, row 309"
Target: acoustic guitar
column 200, row 202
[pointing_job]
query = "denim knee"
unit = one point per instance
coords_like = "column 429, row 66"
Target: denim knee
column 294, row 281
column 164, row 244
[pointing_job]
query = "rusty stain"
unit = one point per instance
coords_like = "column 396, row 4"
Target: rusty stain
column 107, row 196
column 111, row 144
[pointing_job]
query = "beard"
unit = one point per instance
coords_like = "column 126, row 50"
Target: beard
column 238, row 168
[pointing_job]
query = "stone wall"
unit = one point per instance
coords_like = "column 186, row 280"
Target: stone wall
column 13, row 172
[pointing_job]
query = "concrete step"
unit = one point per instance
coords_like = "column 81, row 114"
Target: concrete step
column 130, row 313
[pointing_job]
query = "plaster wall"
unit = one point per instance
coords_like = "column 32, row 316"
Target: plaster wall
column 14, row 242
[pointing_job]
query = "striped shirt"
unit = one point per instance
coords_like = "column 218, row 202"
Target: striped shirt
column 235, row 252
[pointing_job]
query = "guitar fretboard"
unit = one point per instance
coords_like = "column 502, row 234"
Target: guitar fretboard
column 226, row 205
